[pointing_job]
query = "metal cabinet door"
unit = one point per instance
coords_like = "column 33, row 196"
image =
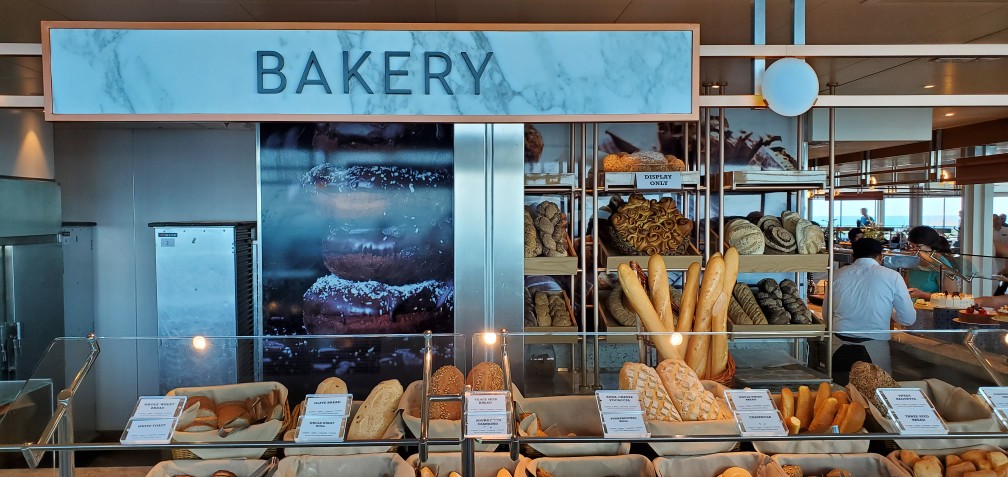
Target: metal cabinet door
column 33, row 295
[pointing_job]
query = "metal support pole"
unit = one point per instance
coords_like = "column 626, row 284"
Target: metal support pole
column 595, row 246
column 65, row 435
column 425, row 402
column 721, row 173
column 707, row 176
column 596, row 381
column 828, row 310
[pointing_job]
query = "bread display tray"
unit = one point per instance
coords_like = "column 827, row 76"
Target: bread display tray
column 759, row 465
column 857, row 464
column 394, row 431
column 387, row 464
column 559, row 416
column 239, row 467
column 487, row 463
column 631, row 465
column 437, row 428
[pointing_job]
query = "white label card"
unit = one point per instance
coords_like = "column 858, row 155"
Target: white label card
column 149, row 431
column 488, row 425
column 918, row 420
column 483, row 402
column 658, row 180
column 624, row 425
column 320, row 429
column 750, row 400
column 618, row 401
column 159, row 407
column 328, row 404
column 997, row 397
column 898, row 398
column 761, row 423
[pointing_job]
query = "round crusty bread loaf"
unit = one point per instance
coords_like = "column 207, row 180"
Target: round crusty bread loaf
column 810, row 237
column 790, row 220
column 746, row 238
column 735, row 472
column 779, row 240
column 376, row 414
column 331, row 385
column 447, row 380
column 486, row 377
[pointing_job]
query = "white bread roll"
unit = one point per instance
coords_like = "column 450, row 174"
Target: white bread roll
column 331, row 385
column 377, row 412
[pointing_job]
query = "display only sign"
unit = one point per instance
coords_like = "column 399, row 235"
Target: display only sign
column 262, row 71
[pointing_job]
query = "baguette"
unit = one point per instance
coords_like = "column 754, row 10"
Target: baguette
column 824, row 416
column 793, row 425
column 821, row 396
column 687, row 307
column 719, row 342
column 731, row 258
column 376, row 414
column 641, row 304
column 853, row 421
column 658, row 286
column 787, row 402
column 803, row 406
column 840, row 414
column 699, row 346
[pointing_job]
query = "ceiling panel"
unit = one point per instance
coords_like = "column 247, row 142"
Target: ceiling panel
column 530, row 11
column 874, row 22
column 727, row 23
column 19, row 21
column 421, row 11
column 148, row 10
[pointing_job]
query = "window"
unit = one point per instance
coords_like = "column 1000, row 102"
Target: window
column 941, row 212
column 897, row 212
column 820, row 212
column 845, row 212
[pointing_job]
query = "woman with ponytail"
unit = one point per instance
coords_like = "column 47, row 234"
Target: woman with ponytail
column 922, row 283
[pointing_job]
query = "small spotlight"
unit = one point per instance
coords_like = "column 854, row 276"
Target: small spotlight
column 489, row 338
column 929, row 86
column 716, row 86
column 948, row 115
column 677, row 338
column 199, row 342
column 1006, row 339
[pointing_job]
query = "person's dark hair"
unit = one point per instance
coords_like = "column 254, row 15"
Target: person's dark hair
column 924, row 235
column 866, row 248
column 852, row 233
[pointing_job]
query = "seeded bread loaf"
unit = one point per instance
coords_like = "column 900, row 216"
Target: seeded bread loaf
column 446, row 380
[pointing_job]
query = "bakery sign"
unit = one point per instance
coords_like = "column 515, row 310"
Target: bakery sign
column 406, row 72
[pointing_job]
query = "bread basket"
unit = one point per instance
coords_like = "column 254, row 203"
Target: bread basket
column 268, row 431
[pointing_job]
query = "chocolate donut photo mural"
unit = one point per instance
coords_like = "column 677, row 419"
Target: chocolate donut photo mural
column 357, row 238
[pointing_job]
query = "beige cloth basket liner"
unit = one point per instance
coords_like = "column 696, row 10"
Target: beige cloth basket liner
column 263, row 432
column 962, row 412
column 205, row 468
column 560, row 415
column 857, row 464
column 759, row 465
column 361, row 465
column 487, row 463
column 395, row 430
column 437, row 428
column 631, row 465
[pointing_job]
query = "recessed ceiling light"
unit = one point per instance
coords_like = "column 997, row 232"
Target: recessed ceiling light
column 716, row 86
column 949, row 114
column 929, row 86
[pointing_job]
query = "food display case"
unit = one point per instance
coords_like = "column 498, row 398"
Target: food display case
column 694, row 422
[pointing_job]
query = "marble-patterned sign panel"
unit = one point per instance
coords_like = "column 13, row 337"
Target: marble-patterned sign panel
column 244, row 73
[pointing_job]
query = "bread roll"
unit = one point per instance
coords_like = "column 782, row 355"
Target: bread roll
column 376, row 414
column 824, row 417
column 426, row 472
column 908, row 457
column 641, row 304
column 787, row 403
column 207, row 408
column 735, row 472
column 693, row 402
column 687, row 307
column 658, row 288
column 841, row 397
column 719, row 342
column 927, row 468
column 959, row 469
column 803, row 406
column 793, row 471
column 655, row 401
column 840, row 414
column 447, row 380
column 710, row 287
column 503, row 473
column 821, row 396
column 952, row 459
column 838, row 473
column 793, row 425
column 454, row 474
column 973, row 455
column 332, row 385
column 997, row 458
column 854, row 419
column 223, row 473
column 198, row 426
column 486, row 376
column 981, row 473
column 232, row 414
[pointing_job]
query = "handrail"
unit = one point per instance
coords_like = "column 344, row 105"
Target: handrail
column 970, row 343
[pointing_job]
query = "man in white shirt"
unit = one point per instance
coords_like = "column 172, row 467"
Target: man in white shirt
column 865, row 295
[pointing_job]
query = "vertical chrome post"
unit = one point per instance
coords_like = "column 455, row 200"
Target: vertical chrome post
column 595, row 246
column 506, row 364
column 707, row 177
column 596, row 382
column 65, row 434
column 759, row 38
column 828, row 310
column 425, row 402
column 721, row 172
